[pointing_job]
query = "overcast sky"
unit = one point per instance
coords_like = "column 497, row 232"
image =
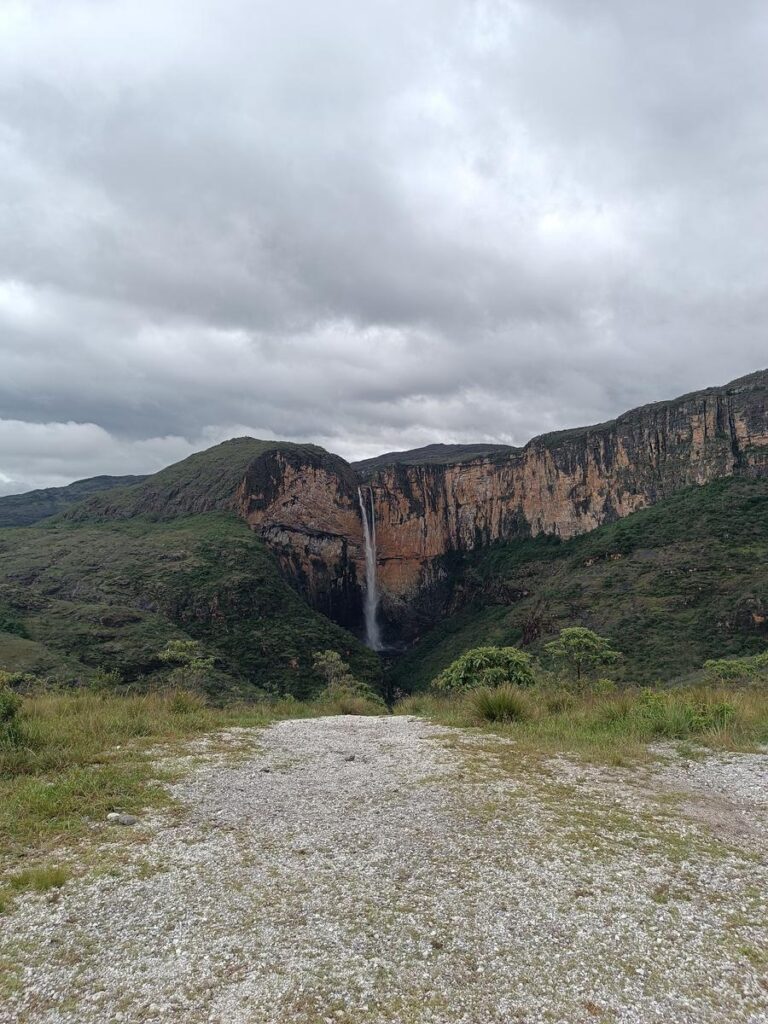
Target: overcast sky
column 372, row 225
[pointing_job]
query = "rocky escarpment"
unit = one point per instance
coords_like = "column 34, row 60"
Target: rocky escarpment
column 563, row 484
column 299, row 498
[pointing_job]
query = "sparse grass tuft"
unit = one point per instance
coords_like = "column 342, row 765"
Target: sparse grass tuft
column 41, row 878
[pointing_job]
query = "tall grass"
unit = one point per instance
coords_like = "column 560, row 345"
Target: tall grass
column 610, row 726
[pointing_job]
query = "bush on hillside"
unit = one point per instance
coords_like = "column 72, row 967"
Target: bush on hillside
column 738, row 670
column 192, row 668
column 105, row 680
column 488, row 667
column 23, row 682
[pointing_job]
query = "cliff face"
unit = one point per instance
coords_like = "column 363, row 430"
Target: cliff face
column 307, row 510
column 564, row 484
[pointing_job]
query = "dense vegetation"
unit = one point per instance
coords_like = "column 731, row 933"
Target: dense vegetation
column 674, row 585
column 78, row 599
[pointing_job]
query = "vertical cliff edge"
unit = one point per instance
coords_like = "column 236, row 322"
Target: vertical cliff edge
column 562, row 484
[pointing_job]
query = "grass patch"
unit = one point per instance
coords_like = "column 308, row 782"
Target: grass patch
column 613, row 727
column 501, row 704
column 41, row 878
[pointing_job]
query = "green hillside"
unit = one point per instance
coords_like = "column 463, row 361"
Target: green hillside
column 75, row 597
column 29, row 508
column 673, row 585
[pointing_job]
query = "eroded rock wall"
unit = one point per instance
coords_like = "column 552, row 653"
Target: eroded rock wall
column 306, row 509
column 305, row 503
column 565, row 484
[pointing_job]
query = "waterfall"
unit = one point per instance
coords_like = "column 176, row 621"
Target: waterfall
column 371, row 606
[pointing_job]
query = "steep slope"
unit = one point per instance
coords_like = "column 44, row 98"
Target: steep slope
column 76, row 597
column 29, row 508
column 673, row 585
column 299, row 498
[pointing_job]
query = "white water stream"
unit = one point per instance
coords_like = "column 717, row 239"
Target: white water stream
column 371, row 604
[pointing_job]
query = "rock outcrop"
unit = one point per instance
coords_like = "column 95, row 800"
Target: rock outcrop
column 306, row 508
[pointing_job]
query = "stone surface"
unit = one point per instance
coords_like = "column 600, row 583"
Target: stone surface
column 446, row 879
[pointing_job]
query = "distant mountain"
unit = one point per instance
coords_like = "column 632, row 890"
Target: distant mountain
column 31, row 507
column 433, row 455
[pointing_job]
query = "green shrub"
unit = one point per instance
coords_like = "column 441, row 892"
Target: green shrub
column 104, row 679
column 680, row 714
column 338, row 700
column 10, row 704
column 487, row 667
column 559, row 700
column 344, row 694
column 738, row 670
column 24, row 682
column 11, row 734
column 500, row 704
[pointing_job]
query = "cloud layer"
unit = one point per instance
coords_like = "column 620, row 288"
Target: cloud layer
column 369, row 225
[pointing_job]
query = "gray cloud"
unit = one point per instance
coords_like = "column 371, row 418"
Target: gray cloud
column 369, row 225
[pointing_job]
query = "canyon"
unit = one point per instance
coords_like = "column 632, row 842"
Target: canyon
column 427, row 507
column 257, row 550
column 431, row 504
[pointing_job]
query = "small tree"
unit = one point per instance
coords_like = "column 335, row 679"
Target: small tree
column 487, row 666
column 333, row 669
column 191, row 665
column 342, row 689
column 580, row 652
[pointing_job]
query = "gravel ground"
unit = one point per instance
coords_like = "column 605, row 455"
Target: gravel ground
column 385, row 870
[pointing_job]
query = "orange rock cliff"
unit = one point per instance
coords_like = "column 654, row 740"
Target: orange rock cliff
column 564, row 484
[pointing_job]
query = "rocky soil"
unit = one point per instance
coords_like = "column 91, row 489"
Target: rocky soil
column 384, row 870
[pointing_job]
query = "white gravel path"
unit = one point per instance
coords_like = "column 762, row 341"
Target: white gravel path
column 384, row 870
